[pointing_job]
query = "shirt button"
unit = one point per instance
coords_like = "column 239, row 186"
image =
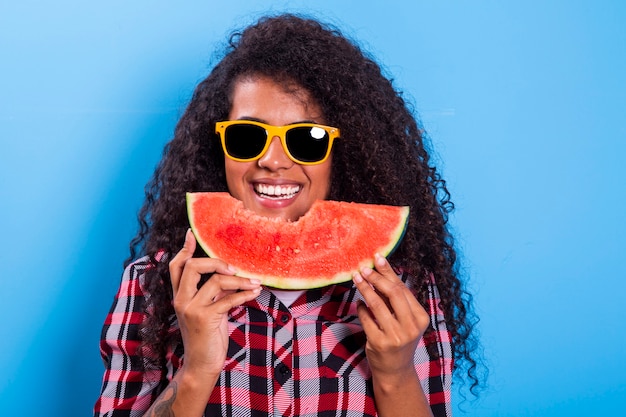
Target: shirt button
column 282, row 373
column 284, row 318
column 284, row 369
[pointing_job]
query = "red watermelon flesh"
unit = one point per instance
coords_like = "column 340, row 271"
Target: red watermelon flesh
column 325, row 246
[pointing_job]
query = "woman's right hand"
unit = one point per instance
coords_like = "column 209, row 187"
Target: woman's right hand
column 202, row 313
column 203, row 321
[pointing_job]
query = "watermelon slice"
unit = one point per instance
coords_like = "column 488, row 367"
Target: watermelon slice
column 325, row 246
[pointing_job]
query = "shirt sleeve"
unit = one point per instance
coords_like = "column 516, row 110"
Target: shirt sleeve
column 439, row 381
column 433, row 357
column 127, row 389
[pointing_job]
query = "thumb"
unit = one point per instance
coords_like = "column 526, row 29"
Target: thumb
column 177, row 264
column 190, row 242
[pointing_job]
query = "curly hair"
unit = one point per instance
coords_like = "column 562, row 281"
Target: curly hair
column 382, row 158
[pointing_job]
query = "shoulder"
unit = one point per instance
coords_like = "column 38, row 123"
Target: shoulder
column 135, row 272
column 427, row 285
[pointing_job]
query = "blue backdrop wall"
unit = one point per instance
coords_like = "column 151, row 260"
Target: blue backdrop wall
column 524, row 102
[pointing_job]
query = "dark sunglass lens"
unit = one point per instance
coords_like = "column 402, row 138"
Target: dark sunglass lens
column 308, row 144
column 244, row 141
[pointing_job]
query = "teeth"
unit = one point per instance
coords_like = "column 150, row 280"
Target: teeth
column 277, row 191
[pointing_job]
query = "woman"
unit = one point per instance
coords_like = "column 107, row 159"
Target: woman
column 385, row 344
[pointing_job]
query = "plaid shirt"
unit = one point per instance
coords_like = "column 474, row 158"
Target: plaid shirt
column 304, row 360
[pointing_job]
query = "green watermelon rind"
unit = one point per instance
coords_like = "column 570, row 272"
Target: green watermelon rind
column 302, row 282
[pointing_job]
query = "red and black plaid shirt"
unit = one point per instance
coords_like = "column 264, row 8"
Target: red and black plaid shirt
column 304, row 360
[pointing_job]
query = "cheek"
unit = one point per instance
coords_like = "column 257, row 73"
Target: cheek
column 320, row 176
column 235, row 172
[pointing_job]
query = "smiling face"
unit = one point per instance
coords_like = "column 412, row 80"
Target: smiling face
column 274, row 185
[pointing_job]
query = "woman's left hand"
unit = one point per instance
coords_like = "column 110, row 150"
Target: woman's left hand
column 392, row 318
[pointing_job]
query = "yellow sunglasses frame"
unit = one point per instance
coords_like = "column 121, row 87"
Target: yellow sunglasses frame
column 272, row 131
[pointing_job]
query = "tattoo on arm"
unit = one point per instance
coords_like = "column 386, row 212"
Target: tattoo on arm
column 163, row 405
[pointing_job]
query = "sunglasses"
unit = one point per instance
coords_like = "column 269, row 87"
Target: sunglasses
column 304, row 143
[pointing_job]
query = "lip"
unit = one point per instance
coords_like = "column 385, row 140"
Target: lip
column 274, row 203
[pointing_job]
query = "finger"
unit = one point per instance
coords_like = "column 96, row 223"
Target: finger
column 218, row 288
column 376, row 305
column 193, row 270
column 234, row 299
column 387, row 324
column 383, row 267
column 370, row 325
column 177, row 264
column 408, row 311
column 370, row 276
column 219, row 285
column 389, row 286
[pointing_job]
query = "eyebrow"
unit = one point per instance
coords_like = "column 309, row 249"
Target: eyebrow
column 255, row 119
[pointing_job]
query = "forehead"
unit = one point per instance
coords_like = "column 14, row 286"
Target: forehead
column 272, row 102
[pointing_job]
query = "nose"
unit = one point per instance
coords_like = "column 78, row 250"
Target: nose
column 275, row 158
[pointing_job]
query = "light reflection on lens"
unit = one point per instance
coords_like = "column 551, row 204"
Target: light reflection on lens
column 317, row 132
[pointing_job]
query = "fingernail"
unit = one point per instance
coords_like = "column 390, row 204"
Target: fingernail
column 366, row 271
column 232, row 269
column 255, row 281
column 379, row 259
column 357, row 278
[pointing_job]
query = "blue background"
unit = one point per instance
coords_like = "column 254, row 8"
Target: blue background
column 525, row 104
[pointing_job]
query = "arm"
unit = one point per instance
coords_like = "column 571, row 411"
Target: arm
column 394, row 322
column 126, row 386
column 202, row 317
